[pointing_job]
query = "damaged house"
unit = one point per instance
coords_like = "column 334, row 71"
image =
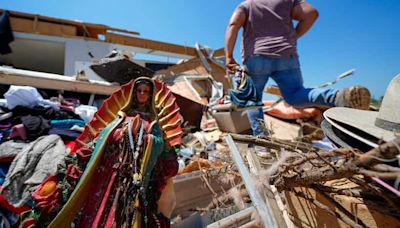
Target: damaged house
column 89, row 70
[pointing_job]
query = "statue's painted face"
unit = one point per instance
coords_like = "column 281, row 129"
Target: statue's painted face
column 143, row 93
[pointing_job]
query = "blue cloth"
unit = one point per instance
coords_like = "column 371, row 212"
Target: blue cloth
column 4, row 167
column 67, row 123
column 7, row 218
column 4, row 134
column 65, row 133
column 246, row 95
column 287, row 74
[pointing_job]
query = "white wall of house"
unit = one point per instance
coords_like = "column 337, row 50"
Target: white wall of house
column 77, row 56
column 52, row 54
column 31, row 53
column 69, row 56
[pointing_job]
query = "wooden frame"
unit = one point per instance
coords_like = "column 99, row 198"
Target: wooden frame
column 149, row 44
column 38, row 24
column 40, row 27
column 54, row 81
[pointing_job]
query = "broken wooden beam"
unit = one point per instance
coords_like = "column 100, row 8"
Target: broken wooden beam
column 9, row 76
column 275, row 144
column 150, row 44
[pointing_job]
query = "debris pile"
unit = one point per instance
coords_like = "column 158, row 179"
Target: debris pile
column 315, row 167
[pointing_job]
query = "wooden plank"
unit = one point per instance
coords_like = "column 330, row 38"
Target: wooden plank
column 251, row 224
column 258, row 200
column 24, row 22
column 47, row 28
column 22, row 25
column 192, row 66
column 281, row 129
column 40, row 27
column 195, row 67
column 306, row 214
column 53, row 81
column 188, row 198
column 149, row 44
column 100, row 27
column 274, row 90
column 219, row 52
column 254, row 163
column 183, row 89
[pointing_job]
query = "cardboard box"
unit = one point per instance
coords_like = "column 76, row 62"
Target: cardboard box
column 232, row 121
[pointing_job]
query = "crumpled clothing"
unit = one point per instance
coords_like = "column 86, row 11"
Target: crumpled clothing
column 3, row 103
column 26, row 96
column 67, row 123
column 35, row 126
column 246, row 95
column 18, row 131
column 47, row 113
column 66, row 134
column 36, row 162
column 86, row 112
column 10, row 149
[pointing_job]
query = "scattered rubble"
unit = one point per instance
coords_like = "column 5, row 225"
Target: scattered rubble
column 302, row 177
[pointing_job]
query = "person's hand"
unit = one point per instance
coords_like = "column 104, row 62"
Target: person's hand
column 231, row 65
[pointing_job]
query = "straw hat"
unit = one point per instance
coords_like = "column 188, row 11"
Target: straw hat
column 341, row 139
column 370, row 126
column 334, row 134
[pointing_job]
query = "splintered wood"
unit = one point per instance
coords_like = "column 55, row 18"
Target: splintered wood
column 310, row 176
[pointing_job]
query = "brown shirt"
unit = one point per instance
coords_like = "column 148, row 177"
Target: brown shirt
column 268, row 29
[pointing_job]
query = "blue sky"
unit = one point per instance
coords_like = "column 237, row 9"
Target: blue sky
column 359, row 34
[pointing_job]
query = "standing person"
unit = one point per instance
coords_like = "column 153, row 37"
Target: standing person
column 269, row 51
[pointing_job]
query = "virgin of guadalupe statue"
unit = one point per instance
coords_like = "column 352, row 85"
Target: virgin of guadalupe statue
column 119, row 174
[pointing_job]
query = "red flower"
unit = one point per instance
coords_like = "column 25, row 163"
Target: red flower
column 73, row 172
column 28, row 223
column 84, row 154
